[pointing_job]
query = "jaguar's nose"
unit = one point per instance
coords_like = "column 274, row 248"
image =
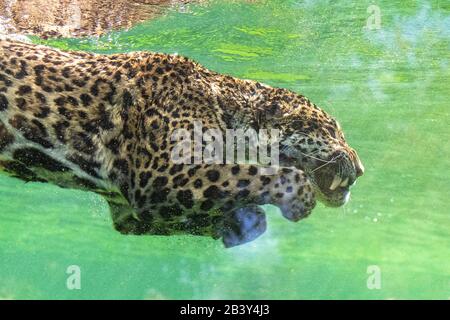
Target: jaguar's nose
column 358, row 166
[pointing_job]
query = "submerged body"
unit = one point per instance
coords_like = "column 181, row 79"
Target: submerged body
column 103, row 123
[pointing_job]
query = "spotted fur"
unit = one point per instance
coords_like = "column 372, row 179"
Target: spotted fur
column 103, row 123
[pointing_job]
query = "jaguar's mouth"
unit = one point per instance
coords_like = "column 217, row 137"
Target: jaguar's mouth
column 333, row 178
column 332, row 190
column 339, row 182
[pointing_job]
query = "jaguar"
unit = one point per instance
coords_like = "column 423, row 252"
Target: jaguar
column 104, row 123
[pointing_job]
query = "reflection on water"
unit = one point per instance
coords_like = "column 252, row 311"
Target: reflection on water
column 389, row 89
column 79, row 18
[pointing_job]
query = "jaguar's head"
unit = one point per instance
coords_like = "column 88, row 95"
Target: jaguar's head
column 313, row 141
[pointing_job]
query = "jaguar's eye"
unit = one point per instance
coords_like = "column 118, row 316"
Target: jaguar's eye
column 297, row 125
column 332, row 132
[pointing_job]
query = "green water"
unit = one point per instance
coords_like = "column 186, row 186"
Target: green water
column 389, row 88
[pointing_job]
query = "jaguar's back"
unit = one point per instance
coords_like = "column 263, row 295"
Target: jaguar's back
column 44, row 98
